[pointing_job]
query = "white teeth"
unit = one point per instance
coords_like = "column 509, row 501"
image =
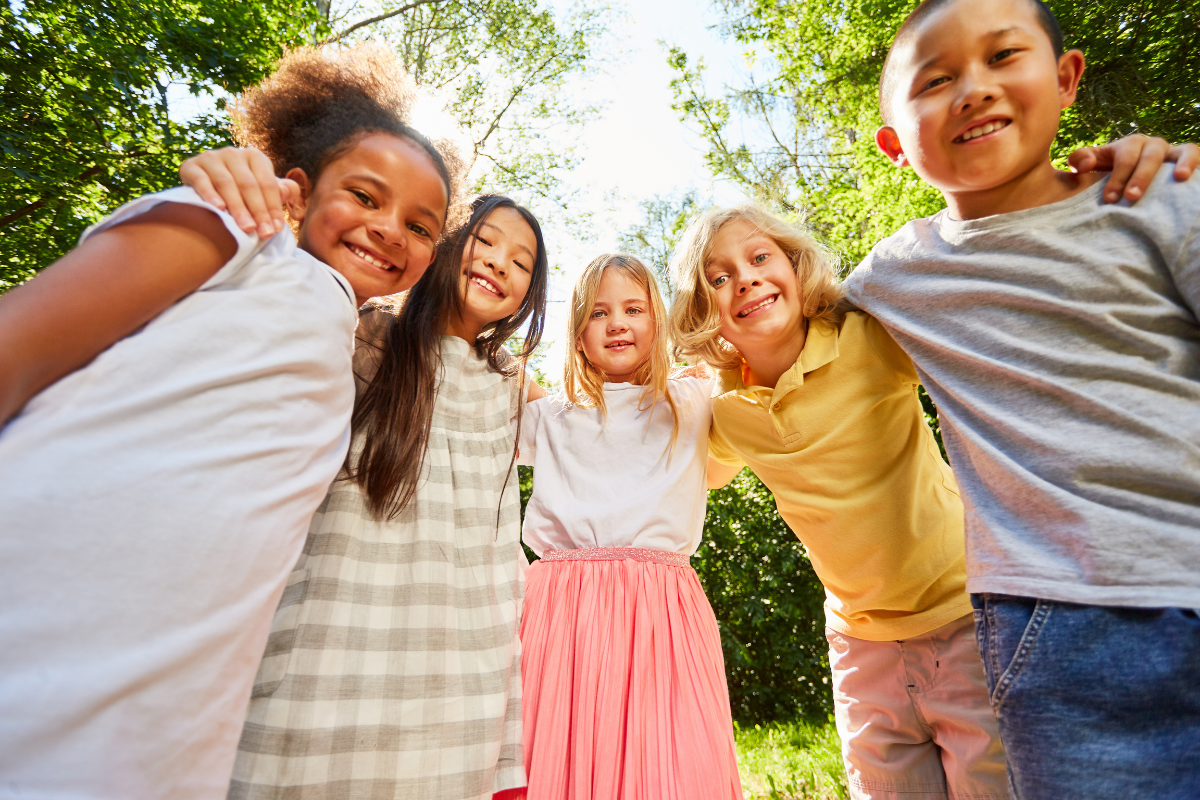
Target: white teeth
column 370, row 259
column 485, row 284
column 986, row 128
column 766, row 302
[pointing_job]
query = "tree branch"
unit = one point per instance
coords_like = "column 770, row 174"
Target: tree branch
column 378, row 18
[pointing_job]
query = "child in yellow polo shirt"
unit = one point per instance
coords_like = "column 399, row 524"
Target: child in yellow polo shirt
column 823, row 406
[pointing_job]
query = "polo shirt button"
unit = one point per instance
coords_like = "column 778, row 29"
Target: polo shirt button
column 776, row 406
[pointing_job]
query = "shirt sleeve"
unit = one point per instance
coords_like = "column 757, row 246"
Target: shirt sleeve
column 890, row 353
column 247, row 244
column 531, row 418
column 1186, row 269
column 720, row 449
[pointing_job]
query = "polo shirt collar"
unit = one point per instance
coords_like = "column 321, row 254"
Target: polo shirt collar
column 820, row 348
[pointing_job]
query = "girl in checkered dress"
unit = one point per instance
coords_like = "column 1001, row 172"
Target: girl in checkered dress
column 393, row 666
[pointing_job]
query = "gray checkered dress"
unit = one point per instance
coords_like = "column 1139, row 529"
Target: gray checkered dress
column 393, row 666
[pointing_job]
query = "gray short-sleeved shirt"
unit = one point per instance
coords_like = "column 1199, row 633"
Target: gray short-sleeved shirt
column 1062, row 348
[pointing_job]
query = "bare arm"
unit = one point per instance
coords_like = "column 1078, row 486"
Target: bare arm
column 719, row 474
column 102, row 291
column 536, row 392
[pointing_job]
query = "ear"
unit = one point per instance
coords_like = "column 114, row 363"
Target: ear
column 1070, row 71
column 578, row 344
column 298, row 206
column 888, row 141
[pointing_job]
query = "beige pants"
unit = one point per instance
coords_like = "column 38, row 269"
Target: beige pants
column 914, row 717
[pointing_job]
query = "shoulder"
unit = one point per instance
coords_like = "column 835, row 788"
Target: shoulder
column 1172, row 204
column 886, row 255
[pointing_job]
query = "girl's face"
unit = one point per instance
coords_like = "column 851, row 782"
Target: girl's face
column 374, row 214
column 496, row 269
column 758, row 295
column 619, row 334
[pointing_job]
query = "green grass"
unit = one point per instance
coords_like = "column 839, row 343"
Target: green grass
column 791, row 761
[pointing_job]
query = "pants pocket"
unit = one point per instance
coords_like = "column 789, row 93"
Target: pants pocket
column 282, row 640
column 1012, row 626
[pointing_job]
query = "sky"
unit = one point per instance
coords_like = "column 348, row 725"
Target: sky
column 639, row 148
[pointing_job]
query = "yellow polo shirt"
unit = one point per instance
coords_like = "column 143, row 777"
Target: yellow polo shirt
column 856, row 473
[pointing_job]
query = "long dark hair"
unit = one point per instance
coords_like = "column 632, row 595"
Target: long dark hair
column 395, row 410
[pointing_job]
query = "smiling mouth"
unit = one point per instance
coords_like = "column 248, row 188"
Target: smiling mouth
column 485, row 284
column 621, row 344
column 766, row 301
column 983, row 130
column 370, row 259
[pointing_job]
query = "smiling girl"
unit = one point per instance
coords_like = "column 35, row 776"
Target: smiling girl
column 624, row 680
column 393, row 665
column 178, row 398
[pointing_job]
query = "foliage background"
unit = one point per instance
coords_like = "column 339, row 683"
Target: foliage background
column 90, row 94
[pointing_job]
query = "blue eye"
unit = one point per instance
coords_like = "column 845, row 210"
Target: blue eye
column 720, row 279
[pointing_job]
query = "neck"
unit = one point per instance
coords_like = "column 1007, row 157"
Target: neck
column 1040, row 186
column 467, row 331
column 767, row 363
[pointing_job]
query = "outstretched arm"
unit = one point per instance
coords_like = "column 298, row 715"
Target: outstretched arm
column 101, row 292
column 241, row 181
column 719, row 474
column 1134, row 161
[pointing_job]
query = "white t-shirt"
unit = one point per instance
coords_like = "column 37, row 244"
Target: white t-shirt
column 615, row 482
column 152, row 505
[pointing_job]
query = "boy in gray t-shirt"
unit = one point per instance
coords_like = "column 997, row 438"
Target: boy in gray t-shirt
column 1059, row 337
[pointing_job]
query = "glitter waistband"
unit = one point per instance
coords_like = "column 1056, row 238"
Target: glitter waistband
column 618, row 554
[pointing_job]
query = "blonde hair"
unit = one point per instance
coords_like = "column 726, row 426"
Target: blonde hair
column 694, row 314
column 583, row 383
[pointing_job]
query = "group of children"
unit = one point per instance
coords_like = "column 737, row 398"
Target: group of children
column 222, row 485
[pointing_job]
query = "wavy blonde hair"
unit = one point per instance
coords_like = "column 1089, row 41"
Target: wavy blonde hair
column 694, row 314
column 582, row 381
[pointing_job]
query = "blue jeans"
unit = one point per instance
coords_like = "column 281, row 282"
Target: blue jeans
column 1094, row 702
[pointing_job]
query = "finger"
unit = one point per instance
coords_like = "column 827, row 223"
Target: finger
column 1186, row 158
column 270, row 219
column 250, row 189
column 217, row 170
column 1149, row 162
column 1124, row 155
column 195, row 177
column 1083, row 160
column 289, row 191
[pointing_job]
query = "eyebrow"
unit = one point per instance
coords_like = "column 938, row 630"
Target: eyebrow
column 996, row 34
column 486, row 224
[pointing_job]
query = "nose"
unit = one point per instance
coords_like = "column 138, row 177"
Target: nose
column 746, row 279
column 389, row 231
column 975, row 87
column 617, row 323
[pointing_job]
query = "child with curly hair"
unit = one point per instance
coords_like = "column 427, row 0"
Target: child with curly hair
column 177, row 397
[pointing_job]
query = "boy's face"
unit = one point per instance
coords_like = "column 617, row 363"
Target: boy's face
column 977, row 97
column 758, row 295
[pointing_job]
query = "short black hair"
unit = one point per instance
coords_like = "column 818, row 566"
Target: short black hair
column 887, row 83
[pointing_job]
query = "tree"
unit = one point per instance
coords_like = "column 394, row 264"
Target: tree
column 87, row 121
column 654, row 239
column 815, row 112
column 769, row 606
column 504, row 66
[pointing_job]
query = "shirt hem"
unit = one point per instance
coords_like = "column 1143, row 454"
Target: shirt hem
column 917, row 624
column 1083, row 594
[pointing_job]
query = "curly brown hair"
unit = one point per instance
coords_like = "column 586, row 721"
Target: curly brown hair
column 319, row 101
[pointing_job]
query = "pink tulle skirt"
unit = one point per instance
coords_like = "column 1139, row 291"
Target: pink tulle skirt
column 624, row 689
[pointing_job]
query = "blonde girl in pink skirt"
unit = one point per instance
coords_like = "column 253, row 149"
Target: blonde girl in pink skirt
column 624, row 681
